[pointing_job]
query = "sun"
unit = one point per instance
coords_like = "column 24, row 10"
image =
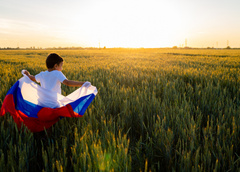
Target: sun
column 127, row 24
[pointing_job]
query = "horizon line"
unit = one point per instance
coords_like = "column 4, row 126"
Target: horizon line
column 73, row 47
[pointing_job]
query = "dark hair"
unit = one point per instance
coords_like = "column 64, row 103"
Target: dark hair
column 53, row 59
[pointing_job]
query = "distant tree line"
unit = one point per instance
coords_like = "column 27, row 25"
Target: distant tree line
column 228, row 47
column 50, row 48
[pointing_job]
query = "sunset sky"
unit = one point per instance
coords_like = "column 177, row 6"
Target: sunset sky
column 119, row 23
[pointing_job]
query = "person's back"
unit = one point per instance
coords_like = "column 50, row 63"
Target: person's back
column 51, row 80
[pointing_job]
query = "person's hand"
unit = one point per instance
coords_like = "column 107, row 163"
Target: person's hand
column 86, row 84
column 26, row 72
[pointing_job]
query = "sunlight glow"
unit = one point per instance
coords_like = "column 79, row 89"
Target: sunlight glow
column 134, row 25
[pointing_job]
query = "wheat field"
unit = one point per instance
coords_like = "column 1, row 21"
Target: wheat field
column 156, row 110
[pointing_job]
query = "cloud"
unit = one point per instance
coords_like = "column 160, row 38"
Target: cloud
column 16, row 27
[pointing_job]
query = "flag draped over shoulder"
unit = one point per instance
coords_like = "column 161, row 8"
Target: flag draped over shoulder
column 38, row 108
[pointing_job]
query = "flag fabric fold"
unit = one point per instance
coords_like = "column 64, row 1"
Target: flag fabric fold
column 38, row 109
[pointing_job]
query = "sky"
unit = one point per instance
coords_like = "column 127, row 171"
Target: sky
column 120, row 23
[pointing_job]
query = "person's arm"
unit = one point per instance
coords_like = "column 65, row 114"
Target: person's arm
column 30, row 76
column 72, row 83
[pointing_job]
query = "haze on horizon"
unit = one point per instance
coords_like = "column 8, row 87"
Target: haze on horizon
column 120, row 23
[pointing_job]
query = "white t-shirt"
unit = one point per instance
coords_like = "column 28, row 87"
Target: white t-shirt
column 51, row 80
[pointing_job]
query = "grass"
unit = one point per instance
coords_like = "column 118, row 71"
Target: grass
column 156, row 109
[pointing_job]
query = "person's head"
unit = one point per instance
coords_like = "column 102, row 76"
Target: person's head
column 54, row 61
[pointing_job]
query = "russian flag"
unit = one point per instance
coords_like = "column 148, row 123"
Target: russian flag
column 38, row 108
